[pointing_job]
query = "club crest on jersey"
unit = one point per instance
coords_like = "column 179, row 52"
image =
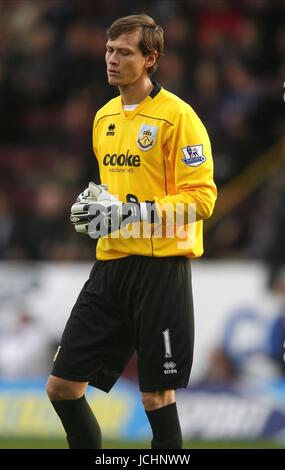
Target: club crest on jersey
column 146, row 137
column 193, row 155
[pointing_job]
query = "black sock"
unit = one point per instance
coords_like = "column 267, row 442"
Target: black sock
column 79, row 422
column 165, row 428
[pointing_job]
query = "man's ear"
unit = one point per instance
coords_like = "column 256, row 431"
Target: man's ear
column 151, row 59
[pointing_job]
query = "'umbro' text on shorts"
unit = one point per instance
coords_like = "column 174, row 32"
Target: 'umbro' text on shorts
column 134, row 303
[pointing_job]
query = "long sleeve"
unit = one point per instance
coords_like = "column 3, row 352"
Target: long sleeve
column 191, row 164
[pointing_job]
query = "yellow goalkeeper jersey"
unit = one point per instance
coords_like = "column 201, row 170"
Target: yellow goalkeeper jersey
column 161, row 152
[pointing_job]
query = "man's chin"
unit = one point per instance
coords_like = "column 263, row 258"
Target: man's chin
column 114, row 81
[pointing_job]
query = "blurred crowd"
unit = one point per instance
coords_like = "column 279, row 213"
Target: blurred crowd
column 227, row 59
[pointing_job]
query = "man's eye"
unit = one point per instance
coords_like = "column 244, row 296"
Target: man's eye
column 125, row 53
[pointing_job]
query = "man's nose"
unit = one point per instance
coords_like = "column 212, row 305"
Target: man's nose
column 113, row 59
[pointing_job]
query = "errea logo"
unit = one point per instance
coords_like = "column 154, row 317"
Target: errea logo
column 169, row 367
column 111, row 129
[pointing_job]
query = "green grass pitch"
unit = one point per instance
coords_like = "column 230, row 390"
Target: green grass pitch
column 26, row 443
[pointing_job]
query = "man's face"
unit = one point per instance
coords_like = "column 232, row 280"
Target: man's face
column 125, row 61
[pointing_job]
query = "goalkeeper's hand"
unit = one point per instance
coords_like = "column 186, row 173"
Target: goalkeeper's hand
column 97, row 212
column 90, row 193
column 82, row 211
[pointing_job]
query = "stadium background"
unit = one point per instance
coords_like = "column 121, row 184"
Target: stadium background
column 227, row 59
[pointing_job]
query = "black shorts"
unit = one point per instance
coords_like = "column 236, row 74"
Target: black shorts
column 131, row 304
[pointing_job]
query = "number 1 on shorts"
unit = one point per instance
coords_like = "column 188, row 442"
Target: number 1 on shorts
column 167, row 345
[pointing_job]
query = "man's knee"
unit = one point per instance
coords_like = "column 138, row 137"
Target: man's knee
column 60, row 389
column 155, row 400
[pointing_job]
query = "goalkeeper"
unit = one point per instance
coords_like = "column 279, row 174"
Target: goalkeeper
column 156, row 167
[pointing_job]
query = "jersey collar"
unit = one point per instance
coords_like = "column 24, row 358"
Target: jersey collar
column 131, row 114
column 156, row 89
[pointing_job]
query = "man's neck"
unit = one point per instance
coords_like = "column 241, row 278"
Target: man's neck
column 136, row 92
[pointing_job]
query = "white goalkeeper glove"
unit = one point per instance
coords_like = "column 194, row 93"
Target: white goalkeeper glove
column 90, row 193
column 98, row 212
column 80, row 211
